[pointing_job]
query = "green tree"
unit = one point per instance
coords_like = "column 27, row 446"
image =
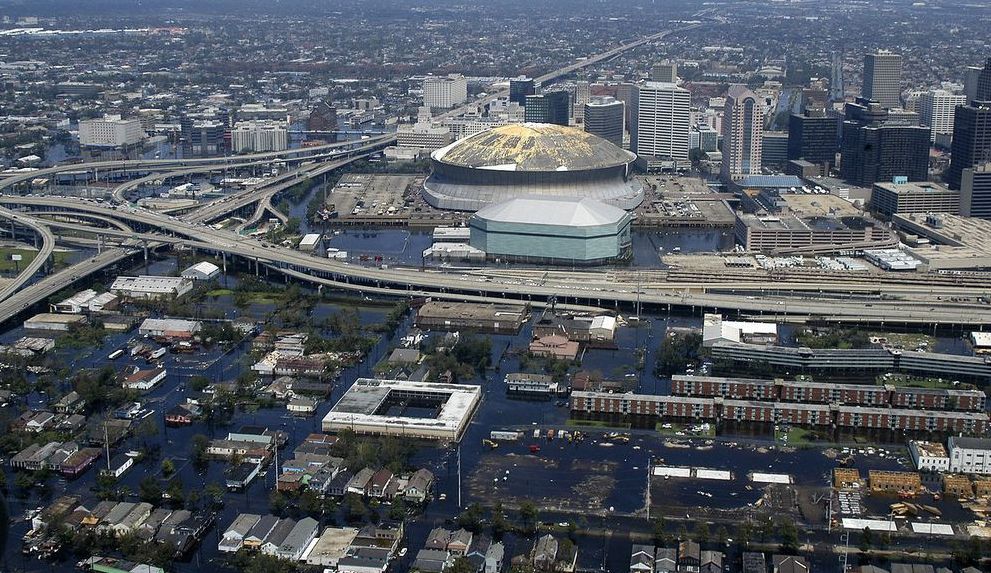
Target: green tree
column 150, row 491
column 660, row 534
column 866, row 540
column 200, row 459
column 788, row 533
column 462, row 565
column 499, row 523
column 397, row 512
column 676, row 352
column 471, row 518
column 310, row 502
column 528, row 515
column 277, row 502
column 215, row 494
column 702, row 533
column 168, row 467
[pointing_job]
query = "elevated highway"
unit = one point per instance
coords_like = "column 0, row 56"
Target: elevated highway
column 39, row 261
column 839, row 300
column 149, row 165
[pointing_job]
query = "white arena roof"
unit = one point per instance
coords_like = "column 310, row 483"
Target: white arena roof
column 553, row 211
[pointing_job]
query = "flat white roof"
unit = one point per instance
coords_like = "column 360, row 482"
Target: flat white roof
column 759, row 477
column 981, row 338
column 721, row 475
column 205, row 267
column 932, row 528
column 661, row 471
column 146, row 283
column 872, row 524
column 310, row 239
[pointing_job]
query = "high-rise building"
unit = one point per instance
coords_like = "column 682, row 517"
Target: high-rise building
column 879, row 146
column 521, row 87
column 971, row 140
column 583, row 91
column 444, row 92
column 110, row 131
column 975, row 191
column 203, row 137
column 814, row 137
column 774, row 149
column 836, row 88
column 983, row 92
column 666, row 72
column 936, row 111
column 323, row 119
column 548, row 107
column 743, row 128
column 663, row 123
column 626, row 93
column 971, row 76
column 259, row 135
column 606, row 117
column 882, row 78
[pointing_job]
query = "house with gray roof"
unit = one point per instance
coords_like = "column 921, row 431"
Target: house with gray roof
column 298, row 539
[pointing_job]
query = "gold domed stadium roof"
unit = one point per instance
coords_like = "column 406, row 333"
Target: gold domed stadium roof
column 533, row 147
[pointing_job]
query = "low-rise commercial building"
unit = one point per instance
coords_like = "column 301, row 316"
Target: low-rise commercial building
column 880, row 480
column 970, row 455
column 405, row 408
column 453, row 316
column 53, row 322
column 151, row 286
column 169, row 327
column 929, row 456
column 888, row 198
column 202, row 271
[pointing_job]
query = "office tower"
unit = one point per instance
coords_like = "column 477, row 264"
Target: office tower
column 814, row 137
column 975, row 191
column 521, row 87
column 879, row 146
column 971, row 75
column 983, row 91
column 444, row 92
column 836, row 87
column 323, row 119
column 662, row 127
column 259, row 135
column 936, row 110
column 110, row 131
column 583, row 92
column 743, row 128
column 626, row 93
column 606, row 117
column 708, row 138
column 882, row 78
column 774, row 149
column 971, row 140
column 549, row 107
column 666, row 72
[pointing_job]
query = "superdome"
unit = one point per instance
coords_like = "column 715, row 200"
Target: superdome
column 530, row 159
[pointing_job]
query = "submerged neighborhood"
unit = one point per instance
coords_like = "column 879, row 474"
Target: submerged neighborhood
column 495, row 287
